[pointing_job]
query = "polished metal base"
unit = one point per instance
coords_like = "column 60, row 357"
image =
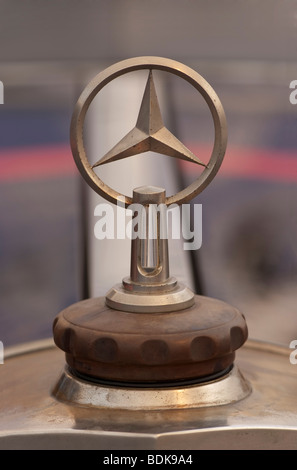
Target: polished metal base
column 229, row 389
column 32, row 418
column 178, row 299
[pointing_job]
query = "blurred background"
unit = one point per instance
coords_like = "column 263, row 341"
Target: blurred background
column 247, row 51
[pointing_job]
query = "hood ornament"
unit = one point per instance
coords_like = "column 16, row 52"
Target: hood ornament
column 150, row 331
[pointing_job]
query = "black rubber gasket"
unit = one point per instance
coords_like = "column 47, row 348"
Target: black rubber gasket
column 154, row 385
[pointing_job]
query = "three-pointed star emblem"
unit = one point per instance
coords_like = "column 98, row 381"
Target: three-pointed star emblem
column 149, row 134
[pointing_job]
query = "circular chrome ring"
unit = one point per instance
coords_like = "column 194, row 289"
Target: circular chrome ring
column 151, row 63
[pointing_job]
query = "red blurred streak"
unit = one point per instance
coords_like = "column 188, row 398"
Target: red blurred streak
column 36, row 162
column 252, row 163
column 56, row 160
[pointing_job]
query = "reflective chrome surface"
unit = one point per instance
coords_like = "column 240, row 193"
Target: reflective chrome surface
column 72, row 390
column 150, row 288
column 181, row 298
column 143, row 140
column 30, row 417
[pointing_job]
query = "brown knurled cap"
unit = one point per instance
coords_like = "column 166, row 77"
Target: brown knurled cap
column 127, row 347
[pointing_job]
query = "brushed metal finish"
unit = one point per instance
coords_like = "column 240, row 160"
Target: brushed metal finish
column 152, row 234
column 149, row 134
column 31, row 418
column 229, row 389
column 96, row 350
column 150, row 63
column 179, row 298
column 150, row 289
